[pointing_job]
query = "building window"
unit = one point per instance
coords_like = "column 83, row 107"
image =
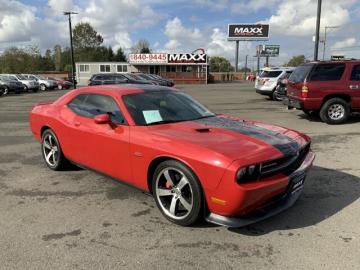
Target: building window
column 170, row 68
column 122, row 68
column 104, row 68
column 84, row 68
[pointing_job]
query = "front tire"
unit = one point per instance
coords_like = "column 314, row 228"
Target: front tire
column 177, row 192
column 43, row 87
column 335, row 111
column 51, row 151
column 6, row 91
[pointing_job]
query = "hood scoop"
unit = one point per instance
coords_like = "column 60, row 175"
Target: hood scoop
column 203, row 130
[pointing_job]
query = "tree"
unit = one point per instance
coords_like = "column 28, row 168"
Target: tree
column 20, row 60
column 142, row 46
column 57, row 57
column 296, row 61
column 120, row 56
column 85, row 36
column 220, row 64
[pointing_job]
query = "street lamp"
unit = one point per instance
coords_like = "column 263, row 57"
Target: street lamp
column 316, row 49
column 324, row 41
column 69, row 13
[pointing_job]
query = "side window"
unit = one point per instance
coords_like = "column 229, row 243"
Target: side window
column 90, row 105
column 355, row 73
column 119, row 78
column 327, row 72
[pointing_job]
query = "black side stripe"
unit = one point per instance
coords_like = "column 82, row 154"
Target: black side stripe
column 286, row 145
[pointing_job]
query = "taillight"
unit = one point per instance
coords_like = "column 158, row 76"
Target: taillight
column 304, row 91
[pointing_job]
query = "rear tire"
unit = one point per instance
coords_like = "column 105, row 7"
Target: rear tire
column 335, row 111
column 51, row 151
column 177, row 192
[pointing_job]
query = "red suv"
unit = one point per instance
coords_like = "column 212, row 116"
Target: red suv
column 331, row 89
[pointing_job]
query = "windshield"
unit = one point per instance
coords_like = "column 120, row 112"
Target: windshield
column 21, row 77
column 144, row 76
column 300, row 73
column 158, row 107
column 3, row 78
column 40, row 77
column 270, row 74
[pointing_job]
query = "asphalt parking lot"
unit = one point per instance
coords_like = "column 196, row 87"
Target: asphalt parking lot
column 80, row 220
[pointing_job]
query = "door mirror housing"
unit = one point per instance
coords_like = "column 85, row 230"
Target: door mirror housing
column 102, row 119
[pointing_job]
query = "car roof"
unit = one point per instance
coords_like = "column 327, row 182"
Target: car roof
column 123, row 89
column 335, row 61
column 277, row 68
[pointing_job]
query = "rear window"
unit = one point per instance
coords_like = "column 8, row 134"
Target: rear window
column 270, row 74
column 300, row 73
column 327, row 72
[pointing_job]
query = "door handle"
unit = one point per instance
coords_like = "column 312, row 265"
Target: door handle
column 354, row 86
column 76, row 124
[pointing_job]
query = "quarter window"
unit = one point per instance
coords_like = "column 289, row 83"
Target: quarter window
column 84, row 68
column 104, row 68
column 355, row 74
column 327, row 72
column 90, row 105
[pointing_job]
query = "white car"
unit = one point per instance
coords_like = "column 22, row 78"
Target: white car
column 266, row 82
column 44, row 84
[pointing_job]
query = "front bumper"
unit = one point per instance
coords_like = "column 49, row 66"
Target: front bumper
column 273, row 207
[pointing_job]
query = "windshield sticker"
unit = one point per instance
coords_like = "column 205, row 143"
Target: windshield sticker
column 152, row 116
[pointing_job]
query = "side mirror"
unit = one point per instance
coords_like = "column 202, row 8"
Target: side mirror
column 102, row 119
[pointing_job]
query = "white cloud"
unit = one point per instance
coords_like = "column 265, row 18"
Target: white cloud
column 344, row 43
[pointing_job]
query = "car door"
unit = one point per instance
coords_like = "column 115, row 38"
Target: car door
column 101, row 147
column 354, row 85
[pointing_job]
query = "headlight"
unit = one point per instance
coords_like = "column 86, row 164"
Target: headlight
column 248, row 174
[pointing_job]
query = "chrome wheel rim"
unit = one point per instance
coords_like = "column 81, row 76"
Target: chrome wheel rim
column 174, row 193
column 60, row 87
column 50, row 150
column 42, row 87
column 6, row 91
column 336, row 111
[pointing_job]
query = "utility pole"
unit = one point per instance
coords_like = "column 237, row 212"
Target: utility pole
column 69, row 13
column 267, row 61
column 325, row 36
column 316, row 49
column 236, row 56
column 246, row 61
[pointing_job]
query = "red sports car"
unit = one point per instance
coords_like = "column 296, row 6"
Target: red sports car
column 196, row 164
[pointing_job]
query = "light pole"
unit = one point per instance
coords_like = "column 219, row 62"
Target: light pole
column 324, row 41
column 316, row 49
column 69, row 13
column 246, row 61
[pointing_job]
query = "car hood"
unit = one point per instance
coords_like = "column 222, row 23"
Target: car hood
column 235, row 138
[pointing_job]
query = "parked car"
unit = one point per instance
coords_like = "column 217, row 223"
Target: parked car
column 331, row 89
column 195, row 163
column 149, row 78
column 166, row 82
column 10, row 85
column 281, row 87
column 61, row 83
column 114, row 78
column 266, row 82
column 2, row 90
column 27, row 84
column 44, row 84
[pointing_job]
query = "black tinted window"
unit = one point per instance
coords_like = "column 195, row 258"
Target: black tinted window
column 270, row 74
column 327, row 72
column 90, row 105
column 300, row 73
column 355, row 73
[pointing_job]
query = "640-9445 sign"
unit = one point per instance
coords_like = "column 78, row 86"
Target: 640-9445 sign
column 248, row 31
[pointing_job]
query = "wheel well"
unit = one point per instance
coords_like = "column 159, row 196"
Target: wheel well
column 345, row 97
column 43, row 130
column 152, row 168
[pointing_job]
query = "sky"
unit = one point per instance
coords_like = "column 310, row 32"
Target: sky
column 182, row 26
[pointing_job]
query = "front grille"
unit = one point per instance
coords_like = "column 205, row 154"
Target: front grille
column 285, row 165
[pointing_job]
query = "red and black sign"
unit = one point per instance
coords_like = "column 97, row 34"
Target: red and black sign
column 186, row 58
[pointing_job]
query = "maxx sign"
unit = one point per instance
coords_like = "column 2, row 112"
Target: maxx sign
column 248, row 31
column 164, row 58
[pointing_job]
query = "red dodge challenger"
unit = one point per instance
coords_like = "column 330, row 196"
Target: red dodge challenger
column 195, row 163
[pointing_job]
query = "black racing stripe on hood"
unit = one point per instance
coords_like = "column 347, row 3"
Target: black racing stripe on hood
column 285, row 144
